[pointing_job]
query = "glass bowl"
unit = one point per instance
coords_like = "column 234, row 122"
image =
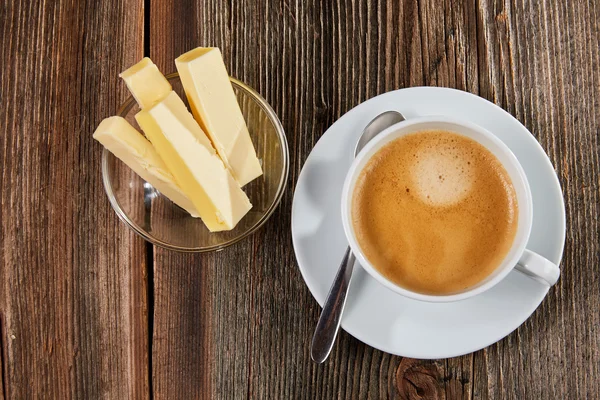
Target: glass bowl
column 155, row 218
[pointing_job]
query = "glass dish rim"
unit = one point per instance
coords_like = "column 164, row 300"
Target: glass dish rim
column 126, row 107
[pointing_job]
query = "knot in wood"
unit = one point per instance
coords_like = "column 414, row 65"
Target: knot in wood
column 418, row 379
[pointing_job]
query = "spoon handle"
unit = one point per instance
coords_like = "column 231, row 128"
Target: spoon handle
column 331, row 316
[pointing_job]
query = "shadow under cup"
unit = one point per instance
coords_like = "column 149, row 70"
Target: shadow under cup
column 491, row 143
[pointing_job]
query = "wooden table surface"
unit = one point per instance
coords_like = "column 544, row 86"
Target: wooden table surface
column 89, row 310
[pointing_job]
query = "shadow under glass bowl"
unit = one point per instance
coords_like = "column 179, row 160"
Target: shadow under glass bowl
column 155, row 218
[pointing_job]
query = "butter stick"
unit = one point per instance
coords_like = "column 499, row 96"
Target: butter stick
column 146, row 83
column 214, row 105
column 192, row 160
column 127, row 144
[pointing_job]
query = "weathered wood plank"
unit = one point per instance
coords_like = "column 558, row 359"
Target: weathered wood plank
column 544, row 70
column 73, row 294
column 314, row 61
column 200, row 300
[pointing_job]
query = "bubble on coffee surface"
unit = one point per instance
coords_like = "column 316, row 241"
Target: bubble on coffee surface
column 442, row 175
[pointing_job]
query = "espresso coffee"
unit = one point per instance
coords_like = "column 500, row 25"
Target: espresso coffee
column 435, row 212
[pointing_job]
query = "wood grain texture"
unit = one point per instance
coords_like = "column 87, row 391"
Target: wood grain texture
column 75, row 318
column 313, row 62
column 72, row 297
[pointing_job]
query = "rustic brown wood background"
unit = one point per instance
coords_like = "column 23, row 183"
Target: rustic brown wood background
column 88, row 310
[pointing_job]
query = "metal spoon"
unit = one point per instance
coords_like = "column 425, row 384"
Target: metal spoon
column 331, row 316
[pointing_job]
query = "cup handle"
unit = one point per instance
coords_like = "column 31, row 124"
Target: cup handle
column 534, row 265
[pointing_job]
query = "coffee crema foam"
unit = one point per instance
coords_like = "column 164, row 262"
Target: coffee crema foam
column 435, row 212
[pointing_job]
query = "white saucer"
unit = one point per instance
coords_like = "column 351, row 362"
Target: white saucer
column 378, row 316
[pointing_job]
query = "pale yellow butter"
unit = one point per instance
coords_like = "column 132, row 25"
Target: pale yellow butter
column 146, row 83
column 215, row 107
column 190, row 157
column 127, row 144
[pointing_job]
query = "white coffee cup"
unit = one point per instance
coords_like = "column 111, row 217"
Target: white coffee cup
column 518, row 257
